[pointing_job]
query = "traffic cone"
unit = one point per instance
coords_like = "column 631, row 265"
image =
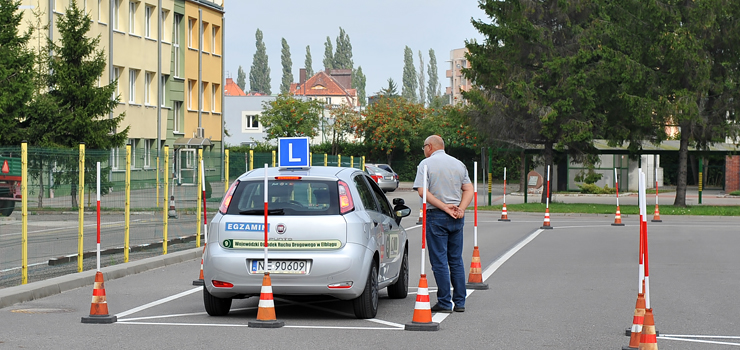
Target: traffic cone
column 475, row 278
column 200, row 280
column 504, row 215
column 637, row 321
column 618, row 219
column 421, row 216
column 648, row 340
column 422, row 320
column 172, row 213
column 266, row 310
column 656, row 215
column 546, row 225
column 99, row 305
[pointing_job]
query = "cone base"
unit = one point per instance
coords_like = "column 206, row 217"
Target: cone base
column 266, row 324
column 418, row 326
column 504, row 219
column 653, row 220
column 628, row 348
column 546, row 227
column 198, row 283
column 476, row 286
column 628, row 332
column 615, row 224
column 99, row 319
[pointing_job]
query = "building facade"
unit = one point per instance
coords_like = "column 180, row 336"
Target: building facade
column 458, row 82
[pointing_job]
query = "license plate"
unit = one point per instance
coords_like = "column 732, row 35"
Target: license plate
column 298, row 267
column 389, row 177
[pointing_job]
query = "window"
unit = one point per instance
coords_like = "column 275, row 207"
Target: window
column 148, row 152
column 366, row 194
column 148, row 21
column 100, row 9
column 191, row 31
column 191, row 87
column 203, row 100
column 148, row 77
column 176, row 43
column 132, row 142
column 163, row 89
column 115, row 160
column 116, row 13
column 131, row 17
column 176, row 107
column 116, row 75
column 251, row 122
column 214, row 90
column 202, row 36
column 162, row 24
column 214, row 31
column 132, row 73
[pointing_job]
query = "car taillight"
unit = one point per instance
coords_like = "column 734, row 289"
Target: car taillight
column 221, row 284
column 395, row 176
column 345, row 198
column 376, row 177
column 227, row 198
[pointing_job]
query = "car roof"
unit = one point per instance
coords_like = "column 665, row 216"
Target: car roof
column 313, row 173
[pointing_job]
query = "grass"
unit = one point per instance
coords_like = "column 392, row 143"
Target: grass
column 587, row 208
column 735, row 193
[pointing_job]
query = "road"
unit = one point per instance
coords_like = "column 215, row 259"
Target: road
column 570, row 287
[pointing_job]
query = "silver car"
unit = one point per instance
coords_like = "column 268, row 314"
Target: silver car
column 331, row 231
column 385, row 180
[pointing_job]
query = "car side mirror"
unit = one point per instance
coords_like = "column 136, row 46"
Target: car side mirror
column 402, row 211
column 398, row 201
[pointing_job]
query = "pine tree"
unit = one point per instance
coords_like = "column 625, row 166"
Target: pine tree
column 422, row 87
column 309, row 62
column 343, row 53
column 432, row 89
column 328, row 55
column 287, row 68
column 16, row 72
column 358, row 82
column 390, row 91
column 259, row 74
column 408, row 89
column 241, row 78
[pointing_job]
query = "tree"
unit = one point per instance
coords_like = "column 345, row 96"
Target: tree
column 451, row 122
column 344, row 122
column 287, row 68
column 259, row 74
column 80, row 108
column 328, row 55
column 408, row 89
column 16, row 72
column 422, row 95
column 391, row 125
column 432, row 91
column 532, row 86
column 241, row 78
column 358, row 82
column 390, row 91
column 343, row 53
column 287, row 116
column 309, row 63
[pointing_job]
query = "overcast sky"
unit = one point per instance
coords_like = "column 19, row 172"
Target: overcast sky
column 378, row 30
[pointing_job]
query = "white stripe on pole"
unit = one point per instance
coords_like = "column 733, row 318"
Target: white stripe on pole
column 203, row 185
column 98, row 228
column 547, row 199
column 423, row 234
column 641, row 201
column 616, row 185
column 504, row 185
column 645, row 252
column 475, row 219
column 265, row 269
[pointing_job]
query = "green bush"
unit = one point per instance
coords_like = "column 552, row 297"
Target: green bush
column 593, row 189
column 735, row 193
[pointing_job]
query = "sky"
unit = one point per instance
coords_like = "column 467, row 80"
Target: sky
column 379, row 30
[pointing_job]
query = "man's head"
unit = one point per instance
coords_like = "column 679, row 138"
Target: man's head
column 432, row 144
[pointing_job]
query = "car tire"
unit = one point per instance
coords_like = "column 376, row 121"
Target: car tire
column 6, row 208
column 400, row 288
column 216, row 306
column 366, row 305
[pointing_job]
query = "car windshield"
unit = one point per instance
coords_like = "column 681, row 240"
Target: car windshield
column 296, row 197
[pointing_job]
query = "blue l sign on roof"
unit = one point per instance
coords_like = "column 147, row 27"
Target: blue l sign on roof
column 293, row 152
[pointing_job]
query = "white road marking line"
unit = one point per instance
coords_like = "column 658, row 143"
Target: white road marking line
column 500, row 261
column 244, row 325
column 699, row 341
column 161, row 316
column 699, row 336
column 159, row 302
column 387, row 323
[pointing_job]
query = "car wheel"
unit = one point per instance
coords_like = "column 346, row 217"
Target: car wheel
column 400, row 289
column 366, row 305
column 215, row 306
column 6, row 207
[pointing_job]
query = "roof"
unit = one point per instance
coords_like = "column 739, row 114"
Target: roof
column 322, row 84
column 187, row 141
column 232, row 89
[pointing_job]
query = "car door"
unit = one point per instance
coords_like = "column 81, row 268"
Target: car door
column 390, row 249
column 372, row 211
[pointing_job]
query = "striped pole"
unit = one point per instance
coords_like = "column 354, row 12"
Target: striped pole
column 98, row 228
column 205, row 216
column 424, row 222
column 546, row 224
column 643, row 216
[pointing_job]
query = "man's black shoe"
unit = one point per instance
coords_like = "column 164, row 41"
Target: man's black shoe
column 437, row 308
column 459, row 309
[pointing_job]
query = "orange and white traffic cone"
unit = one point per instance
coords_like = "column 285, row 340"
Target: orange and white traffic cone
column 422, row 320
column 421, row 217
column 618, row 219
column 475, row 278
column 99, row 305
column 546, row 224
column 504, row 214
column 656, row 215
column 637, row 320
column 200, row 281
column 172, row 213
column 266, row 310
column 649, row 339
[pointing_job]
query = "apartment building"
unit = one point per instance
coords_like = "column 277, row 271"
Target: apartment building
column 167, row 56
column 458, row 82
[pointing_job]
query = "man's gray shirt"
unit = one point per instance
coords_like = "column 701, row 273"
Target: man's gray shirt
column 445, row 177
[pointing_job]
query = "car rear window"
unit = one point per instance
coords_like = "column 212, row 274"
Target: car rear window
column 295, row 197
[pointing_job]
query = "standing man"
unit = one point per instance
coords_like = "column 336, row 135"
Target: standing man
column 448, row 194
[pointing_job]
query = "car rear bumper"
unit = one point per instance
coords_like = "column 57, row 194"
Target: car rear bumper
column 349, row 263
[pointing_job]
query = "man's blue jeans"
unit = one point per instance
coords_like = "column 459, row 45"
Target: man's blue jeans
column 445, row 241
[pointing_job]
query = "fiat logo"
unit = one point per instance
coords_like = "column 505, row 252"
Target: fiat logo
column 280, row 228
